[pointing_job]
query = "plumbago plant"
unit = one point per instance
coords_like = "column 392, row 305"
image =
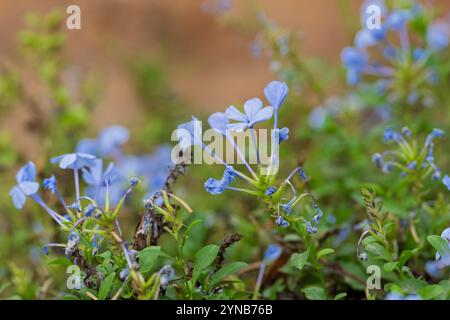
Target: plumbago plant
column 402, row 59
column 291, row 209
column 397, row 238
column 104, row 264
column 121, row 230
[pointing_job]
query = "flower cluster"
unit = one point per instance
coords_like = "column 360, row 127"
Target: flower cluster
column 260, row 181
column 403, row 71
column 410, row 159
column 77, row 210
column 150, row 168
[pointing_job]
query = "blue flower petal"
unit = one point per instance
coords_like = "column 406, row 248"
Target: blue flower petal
column 218, row 121
column 29, row 187
column 252, row 107
column 26, row 173
column 18, row 197
column 276, row 92
column 234, row 114
column 262, row 115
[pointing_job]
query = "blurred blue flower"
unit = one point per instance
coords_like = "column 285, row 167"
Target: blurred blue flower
column 74, row 161
column 438, row 36
column 310, row 229
column 111, row 139
column 398, row 296
column 270, row 191
column 446, row 181
column 397, row 19
column 283, row 134
column 355, row 60
column 26, row 186
column 100, row 182
column 272, row 253
column 281, row 222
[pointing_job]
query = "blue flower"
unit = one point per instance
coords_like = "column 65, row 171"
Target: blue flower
column 50, row 184
column 254, row 113
column 378, row 160
column 270, row 191
column 89, row 146
column 355, row 60
column 94, row 175
column 319, row 214
column 272, row 253
column 189, row 133
column 406, row 132
column 446, row 181
column 124, row 274
column 397, row 296
column 111, row 139
column 72, row 242
column 107, row 143
column 45, row 250
column 26, row 185
column 74, row 161
column 366, row 38
column 397, row 19
column 391, row 135
column 286, row 208
column 219, row 122
column 276, row 92
column 412, row 165
column 310, row 229
column 99, row 182
column 438, row 36
column 317, row 117
column 215, row 187
column 281, row 222
column 283, row 134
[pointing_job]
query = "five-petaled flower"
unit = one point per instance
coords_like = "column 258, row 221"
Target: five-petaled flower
column 26, row 185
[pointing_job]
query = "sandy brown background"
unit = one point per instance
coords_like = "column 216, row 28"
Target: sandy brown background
column 208, row 64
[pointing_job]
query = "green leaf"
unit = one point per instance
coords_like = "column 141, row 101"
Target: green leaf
column 106, row 286
column 203, row 259
column 148, row 258
column 315, row 293
column 412, row 285
column 377, row 249
column 63, row 261
column 439, row 244
column 188, row 231
column 340, row 296
column 299, row 260
column 225, row 272
column 404, row 257
column 324, row 252
column 389, row 266
column 431, row 292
